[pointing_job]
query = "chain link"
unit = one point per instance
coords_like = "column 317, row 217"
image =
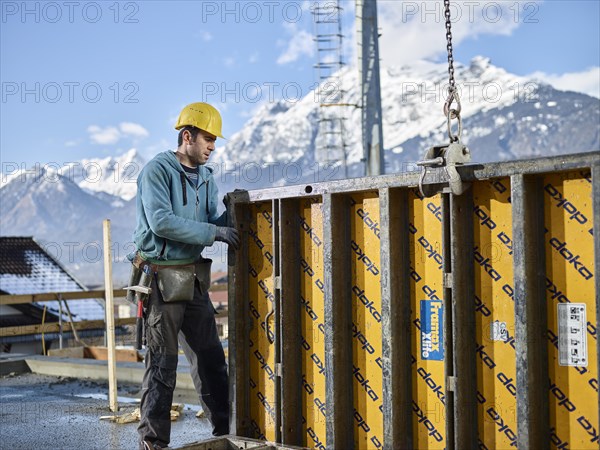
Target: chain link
column 449, row 45
column 451, row 113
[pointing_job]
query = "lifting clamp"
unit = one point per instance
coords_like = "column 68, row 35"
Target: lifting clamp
column 438, row 169
column 439, row 166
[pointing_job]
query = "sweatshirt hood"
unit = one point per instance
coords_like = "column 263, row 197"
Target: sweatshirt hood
column 169, row 159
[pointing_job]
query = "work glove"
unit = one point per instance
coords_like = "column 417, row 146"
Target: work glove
column 228, row 235
column 226, row 197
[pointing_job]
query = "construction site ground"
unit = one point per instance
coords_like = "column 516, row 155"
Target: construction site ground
column 63, row 412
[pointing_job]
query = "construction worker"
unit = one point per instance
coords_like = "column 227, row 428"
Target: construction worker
column 176, row 218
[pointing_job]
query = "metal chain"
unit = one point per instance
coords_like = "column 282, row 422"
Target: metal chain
column 451, row 113
column 449, row 44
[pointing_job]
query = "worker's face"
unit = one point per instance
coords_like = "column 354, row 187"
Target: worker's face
column 199, row 150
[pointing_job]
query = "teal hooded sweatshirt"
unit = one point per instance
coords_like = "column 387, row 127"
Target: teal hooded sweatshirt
column 175, row 219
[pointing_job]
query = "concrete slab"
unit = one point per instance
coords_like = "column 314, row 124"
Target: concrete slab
column 235, row 443
column 39, row 411
column 13, row 364
column 127, row 372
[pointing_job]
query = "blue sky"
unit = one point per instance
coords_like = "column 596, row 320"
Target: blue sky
column 92, row 79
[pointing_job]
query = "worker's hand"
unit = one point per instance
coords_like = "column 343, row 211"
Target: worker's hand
column 228, row 235
column 226, row 197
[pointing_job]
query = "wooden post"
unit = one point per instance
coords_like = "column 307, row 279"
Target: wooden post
column 110, row 319
column 60, row 324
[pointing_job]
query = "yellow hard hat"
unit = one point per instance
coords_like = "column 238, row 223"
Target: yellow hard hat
column 200, row 115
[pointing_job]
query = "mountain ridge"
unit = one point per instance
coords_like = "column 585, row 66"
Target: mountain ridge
column 504, row 117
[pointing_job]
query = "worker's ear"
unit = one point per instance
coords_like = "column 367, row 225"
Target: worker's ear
column 187, row 137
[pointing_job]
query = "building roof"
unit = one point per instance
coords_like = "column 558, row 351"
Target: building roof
column 23, row 314
column 26, row 268
column 218, row 277
column 219, row 297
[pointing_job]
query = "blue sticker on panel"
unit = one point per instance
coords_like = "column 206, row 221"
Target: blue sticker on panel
column 432, row 330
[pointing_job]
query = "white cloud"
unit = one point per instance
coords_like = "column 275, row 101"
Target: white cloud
column 586, row 81
column 229, row 61
column 206, row 36
column 150, row 151
column 416, row 30
column 111, row 134
column 253, row 58
column 105, row 136
column 133, row 129
column 301, row 43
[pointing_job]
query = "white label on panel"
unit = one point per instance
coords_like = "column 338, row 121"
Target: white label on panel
column 572, row 334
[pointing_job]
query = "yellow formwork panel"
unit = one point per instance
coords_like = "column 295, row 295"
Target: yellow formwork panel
column 494, row 314
column 366, row 321
column 312, row 321
column 572, row 346
column 261, row 298
column 427, row 346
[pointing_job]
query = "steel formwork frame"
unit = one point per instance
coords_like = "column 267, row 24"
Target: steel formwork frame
column 536, row 399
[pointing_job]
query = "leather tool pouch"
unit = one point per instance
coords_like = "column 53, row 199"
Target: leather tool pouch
column 176, row 284
column 134, row 280
column 203, row 274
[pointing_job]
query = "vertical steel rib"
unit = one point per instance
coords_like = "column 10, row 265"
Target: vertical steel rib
column 596, row 214
column 338, row 321
column 531, row 351
column 395, row 315
column 277, row 311
column 289, row 333
column 448, row 338
column 239, row 362
column 463, row 320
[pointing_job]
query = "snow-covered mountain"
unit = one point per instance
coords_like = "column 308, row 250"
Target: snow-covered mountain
column 67, row 221
column 111, row 175
column 504, row 117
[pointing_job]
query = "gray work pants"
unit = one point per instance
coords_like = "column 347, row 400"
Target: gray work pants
column 194, row 323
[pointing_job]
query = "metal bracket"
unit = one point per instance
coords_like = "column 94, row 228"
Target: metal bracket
column 451, row 384
column 447, row 280
column 439, row 174
column 267, row 327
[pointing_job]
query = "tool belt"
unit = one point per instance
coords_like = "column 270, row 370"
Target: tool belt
column 175, row 282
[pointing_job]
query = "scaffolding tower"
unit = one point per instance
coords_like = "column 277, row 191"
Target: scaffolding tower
column 368, row 65
column 331, row 146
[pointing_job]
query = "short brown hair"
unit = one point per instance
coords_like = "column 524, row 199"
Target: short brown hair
column 193, row 131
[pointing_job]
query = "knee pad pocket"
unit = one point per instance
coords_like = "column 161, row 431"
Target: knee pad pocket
column 165, row 368
column 154, row 330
